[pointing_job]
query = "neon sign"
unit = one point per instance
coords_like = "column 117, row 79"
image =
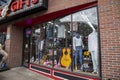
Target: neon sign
column 17, row 5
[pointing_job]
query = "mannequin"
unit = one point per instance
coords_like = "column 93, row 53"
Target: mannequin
column 49, row 31
column 93, row 48
column 40, row 48
column 77, row 48
column 41, row 42
column 61, row 31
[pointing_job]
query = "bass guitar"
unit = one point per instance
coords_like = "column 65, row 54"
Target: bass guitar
column 5, row 10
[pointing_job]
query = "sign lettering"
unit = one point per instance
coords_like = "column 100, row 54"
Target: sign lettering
column 19, row 4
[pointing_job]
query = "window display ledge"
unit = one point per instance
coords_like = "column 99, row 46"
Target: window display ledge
column 61, row 74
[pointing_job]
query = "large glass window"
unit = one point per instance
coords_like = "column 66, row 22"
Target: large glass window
column 85, row 41
column 69, row 43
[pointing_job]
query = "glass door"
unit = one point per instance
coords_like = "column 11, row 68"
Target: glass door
column 26, row 47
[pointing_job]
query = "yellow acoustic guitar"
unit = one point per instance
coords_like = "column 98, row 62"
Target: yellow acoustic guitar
column 66, row 58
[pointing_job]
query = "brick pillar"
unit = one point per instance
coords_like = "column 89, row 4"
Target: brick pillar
column 109, row 18
column 7, row 45
column 14, row 45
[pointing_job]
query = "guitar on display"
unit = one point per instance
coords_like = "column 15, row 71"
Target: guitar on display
column 66, row 55
column 66, row 58
column 5, row 10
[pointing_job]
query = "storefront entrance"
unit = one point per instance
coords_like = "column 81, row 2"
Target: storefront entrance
column 26, row 47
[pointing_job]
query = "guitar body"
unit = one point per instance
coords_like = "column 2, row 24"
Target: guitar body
column 66, row 58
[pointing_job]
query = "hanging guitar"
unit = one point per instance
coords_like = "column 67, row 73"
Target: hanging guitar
column 5, row 10
column 66, row 57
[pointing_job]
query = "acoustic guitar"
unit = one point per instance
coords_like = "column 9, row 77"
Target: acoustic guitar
column 5, row 10
column 66, row 58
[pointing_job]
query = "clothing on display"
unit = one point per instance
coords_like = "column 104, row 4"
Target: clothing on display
column 77, row 41
column 40, row 45
column 93, row 48
column 77, row 53
column 40, row 48
column 75, row 26
column 61, row 31
column 50, row 31
column 77, row 47
column 93, row 41
column 94, row 55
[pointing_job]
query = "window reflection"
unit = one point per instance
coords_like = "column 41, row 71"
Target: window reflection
column 85, row 41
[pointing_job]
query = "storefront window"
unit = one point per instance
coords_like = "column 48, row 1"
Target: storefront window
column 69, row 43
column 85, row 41
column 63, row 43
column 39, row 50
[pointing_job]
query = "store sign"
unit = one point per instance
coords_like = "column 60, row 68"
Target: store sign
column 21, row 8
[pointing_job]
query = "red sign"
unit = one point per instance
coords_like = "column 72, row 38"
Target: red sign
column 17, row 6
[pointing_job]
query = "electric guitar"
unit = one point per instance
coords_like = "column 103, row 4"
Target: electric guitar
column 5, row 10
column 66, row 58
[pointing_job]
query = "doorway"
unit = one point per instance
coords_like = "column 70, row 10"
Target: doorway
column 26, row 47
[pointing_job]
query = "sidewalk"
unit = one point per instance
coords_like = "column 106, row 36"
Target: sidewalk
column 21, row 73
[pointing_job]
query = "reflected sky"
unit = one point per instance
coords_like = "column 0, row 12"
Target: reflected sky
column 91, row 14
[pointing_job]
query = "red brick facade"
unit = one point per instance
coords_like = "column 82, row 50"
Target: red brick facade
column 109, row 25
column 109, row 19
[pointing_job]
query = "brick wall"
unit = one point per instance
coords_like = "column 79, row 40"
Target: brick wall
column 14, row 46
column 55, row 5
column 109, row 18
column 7, row 45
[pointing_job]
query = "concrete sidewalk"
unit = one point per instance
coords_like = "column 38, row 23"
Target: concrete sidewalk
column 21, row 73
